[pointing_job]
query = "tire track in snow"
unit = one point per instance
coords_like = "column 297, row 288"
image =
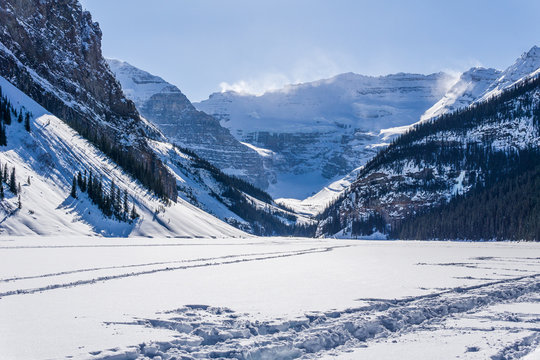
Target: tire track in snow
column 173, row 268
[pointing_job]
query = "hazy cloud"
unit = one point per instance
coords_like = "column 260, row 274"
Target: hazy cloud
column 314, row 67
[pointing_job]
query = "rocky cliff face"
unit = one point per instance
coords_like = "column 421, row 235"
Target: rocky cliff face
column 320, row 131
column 170, row 110
column 51, row 50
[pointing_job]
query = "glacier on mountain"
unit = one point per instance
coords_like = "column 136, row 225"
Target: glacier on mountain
column 318, row 132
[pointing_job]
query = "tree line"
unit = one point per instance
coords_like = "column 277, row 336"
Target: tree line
column 483, row 163
column 7, row 113
column 112, row 202
column 9, row 178
column 506, row 208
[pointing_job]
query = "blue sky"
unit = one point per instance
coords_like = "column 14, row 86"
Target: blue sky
column 203, row 46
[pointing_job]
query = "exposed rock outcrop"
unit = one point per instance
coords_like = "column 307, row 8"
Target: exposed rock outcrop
column 51, row 50
column 170, row 110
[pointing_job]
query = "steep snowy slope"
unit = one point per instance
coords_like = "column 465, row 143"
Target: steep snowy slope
column 45, row 161
column 527, row 65
column 471, row 86
column 51, row 50
column 479, row 84
column 320, row 131
column 165, row 106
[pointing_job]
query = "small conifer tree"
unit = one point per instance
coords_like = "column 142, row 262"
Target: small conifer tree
column 74, row 188
column 27, row 122
column 13, row 182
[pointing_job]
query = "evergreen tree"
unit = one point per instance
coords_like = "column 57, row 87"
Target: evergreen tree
column 7, row 115
column 27, row 122
column 1, row 191
column 79, row 179
column 20, row 117
column 13, row 182
column 74, row 188
column 28, row 181
column 19, row 202
column 83, row 188
column 112, row 198
column 118, row 204
column 134, row 214
column 3, row 137
column 126, row 205
column 90, row 186
column 5, row 173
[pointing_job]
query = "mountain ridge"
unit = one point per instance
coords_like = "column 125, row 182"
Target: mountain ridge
column 170, row 110
column 318, row 132
column 440, row 159
column 52, row 52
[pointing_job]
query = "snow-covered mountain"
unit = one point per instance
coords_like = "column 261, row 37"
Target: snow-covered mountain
column 527, row 65
column 471, row 86
column 45, row 161
column 51, row 51
column 170, row 110
column 479, row 84
column 77, row 120
column 440, row 159
column 316, row 133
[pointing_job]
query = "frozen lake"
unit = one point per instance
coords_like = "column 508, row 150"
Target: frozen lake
column 267, row 298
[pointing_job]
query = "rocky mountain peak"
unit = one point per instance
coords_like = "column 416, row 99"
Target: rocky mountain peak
column 170, row 110
column 51, row 50
column 526, row 65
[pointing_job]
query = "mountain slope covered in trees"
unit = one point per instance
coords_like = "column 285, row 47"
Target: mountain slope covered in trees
column 85, row 95
column 51, row 50
column 38, row 189
column 506, row 208
column 440, row 159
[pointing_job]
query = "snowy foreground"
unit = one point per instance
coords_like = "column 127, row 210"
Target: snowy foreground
column 276, row 298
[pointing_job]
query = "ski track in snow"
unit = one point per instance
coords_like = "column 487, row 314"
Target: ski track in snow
column 205, row 263
column 214, row 332
column 211, row 326
column 135, row 266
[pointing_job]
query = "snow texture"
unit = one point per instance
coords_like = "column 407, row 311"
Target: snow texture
column 270, row 298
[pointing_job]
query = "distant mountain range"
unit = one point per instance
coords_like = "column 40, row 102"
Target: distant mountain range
column 316, row 132
column 167, row 108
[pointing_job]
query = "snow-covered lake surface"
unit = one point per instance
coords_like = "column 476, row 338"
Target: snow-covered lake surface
column 271, row 298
